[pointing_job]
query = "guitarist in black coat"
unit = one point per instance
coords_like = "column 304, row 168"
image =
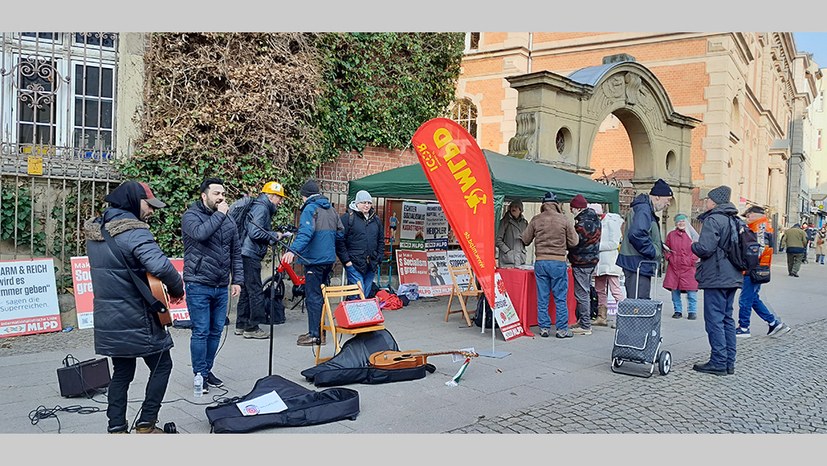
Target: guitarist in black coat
column 125, row 327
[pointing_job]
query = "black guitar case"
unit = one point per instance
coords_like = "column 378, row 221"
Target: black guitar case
column 305, row 407
column 352, row 365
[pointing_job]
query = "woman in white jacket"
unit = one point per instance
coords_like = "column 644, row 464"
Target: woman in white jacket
column 607, row 273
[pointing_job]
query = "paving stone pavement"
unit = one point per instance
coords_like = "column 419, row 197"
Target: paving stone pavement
column 543, row 386
column 779, row 387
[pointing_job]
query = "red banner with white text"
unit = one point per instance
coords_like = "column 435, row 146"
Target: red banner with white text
column 458, row 173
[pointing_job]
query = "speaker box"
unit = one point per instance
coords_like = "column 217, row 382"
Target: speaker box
column 83, row 378
column 358, row 313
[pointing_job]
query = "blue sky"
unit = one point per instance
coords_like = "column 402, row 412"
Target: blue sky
column 815, row 43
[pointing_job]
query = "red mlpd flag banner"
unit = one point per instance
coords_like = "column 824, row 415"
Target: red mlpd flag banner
column 458, row 173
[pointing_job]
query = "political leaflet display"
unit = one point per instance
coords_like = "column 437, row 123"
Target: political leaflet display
column 28, row 298
column 84, row 294
column 412, row 226
column 436, row 228
column 504, row 311
column 429, row 270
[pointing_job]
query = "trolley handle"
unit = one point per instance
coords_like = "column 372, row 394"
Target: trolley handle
column 654, row 277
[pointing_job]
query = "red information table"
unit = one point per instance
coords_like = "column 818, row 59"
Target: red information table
column 522, row 289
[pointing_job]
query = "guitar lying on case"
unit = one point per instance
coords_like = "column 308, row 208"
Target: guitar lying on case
column 408, row 359
column 159, row 291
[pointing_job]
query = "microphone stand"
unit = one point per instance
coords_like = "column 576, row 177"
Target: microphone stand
column 273, row 284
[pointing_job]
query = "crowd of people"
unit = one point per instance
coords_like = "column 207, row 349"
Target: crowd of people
column 223, row 259
column 601, row 247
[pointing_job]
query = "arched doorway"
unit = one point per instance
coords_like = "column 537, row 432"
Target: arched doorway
column 558, row 118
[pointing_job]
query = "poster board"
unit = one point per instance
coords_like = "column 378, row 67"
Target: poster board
column 412, row 226
column 429, row 270
column 84, row 293
column 28, row 298
column 504, row 311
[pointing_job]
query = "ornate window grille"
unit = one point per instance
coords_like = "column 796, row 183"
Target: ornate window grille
column 57, row 93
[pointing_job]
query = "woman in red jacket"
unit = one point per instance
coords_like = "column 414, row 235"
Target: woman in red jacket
column 680, row 273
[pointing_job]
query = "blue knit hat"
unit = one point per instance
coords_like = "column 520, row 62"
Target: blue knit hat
column 549, row 197
column 661, row 188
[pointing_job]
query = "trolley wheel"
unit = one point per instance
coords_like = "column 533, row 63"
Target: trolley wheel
column 664, row 362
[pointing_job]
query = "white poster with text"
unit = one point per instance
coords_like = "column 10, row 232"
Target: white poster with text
column 28, row 298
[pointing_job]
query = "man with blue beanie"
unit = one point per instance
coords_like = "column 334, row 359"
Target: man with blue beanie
column 642, row 239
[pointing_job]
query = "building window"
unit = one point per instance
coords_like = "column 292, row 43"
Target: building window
column 464, row 112
column 97, row 39
column 820, row 102
column 37, row 81
column 818, row 139
column 63, row 88
column 472, row 40
column 52, row 36
column 94, row 91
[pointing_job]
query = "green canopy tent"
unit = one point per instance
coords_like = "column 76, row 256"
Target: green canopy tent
column 512, row 178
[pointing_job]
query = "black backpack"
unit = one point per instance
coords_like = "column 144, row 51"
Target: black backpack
column 239, row 210
column 482, row 303
column 743, row 249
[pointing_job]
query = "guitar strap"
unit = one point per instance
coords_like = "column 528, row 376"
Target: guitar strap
column 154, row 304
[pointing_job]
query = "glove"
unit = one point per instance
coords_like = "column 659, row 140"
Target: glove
column 286, row 234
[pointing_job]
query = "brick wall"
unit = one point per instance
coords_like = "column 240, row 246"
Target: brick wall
column 352, row 166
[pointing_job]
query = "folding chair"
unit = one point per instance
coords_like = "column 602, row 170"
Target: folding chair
column 328, row 322
column 462, row 290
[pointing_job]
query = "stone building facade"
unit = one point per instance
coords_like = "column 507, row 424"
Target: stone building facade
column 748, row 92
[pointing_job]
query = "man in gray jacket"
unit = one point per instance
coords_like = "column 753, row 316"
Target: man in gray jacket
column 259, row 236
column 212, row 251
column 719, row 279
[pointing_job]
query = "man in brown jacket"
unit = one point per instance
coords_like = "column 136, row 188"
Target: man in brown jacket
column 554, row 233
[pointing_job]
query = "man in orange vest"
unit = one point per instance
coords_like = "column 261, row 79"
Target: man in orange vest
column 749, row 299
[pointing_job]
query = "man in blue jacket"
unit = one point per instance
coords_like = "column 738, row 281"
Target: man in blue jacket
column 719, row 279
column 124, row 329
column 259, row 235
column 212, row 257
column 642, row 239
column 315, row 244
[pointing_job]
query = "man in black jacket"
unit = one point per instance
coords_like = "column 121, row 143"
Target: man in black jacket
column 212, row 251
column 361, row 247
column 259, row 236
column 719, row 279
column 125, row 328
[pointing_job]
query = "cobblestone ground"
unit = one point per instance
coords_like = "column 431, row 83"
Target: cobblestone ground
column 763, row 396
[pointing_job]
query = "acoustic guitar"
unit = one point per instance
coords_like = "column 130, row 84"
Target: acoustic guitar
column 159, row 291
column 408, row 359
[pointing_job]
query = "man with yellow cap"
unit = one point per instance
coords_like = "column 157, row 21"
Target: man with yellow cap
column 257, row 238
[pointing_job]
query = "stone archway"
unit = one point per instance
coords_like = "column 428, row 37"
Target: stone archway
column 558, row 118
